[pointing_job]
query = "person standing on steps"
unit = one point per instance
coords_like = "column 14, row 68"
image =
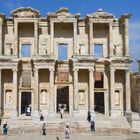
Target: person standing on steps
column 5, row 128
column 62, row 111
column 67, row 132
column 89, row 117
column 44, row 129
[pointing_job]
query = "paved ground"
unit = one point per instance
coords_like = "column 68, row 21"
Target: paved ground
column 72, row 137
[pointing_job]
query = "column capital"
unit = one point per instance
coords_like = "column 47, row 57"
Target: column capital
column 91, row 69
column 75, row 69
column 14, row 69
column 112, row 69
column 51, row 69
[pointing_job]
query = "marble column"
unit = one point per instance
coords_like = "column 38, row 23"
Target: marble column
column 127, row 91
column 16, row 45
column 1, row 38
column 52, row 93
column 112, row 84
column 15, row 94
column 52, row 37
column 35, row 112
column 91, row 90
column 91, row 44
column 111, row 47
column 36, row 38
column 75, row 89
column 0, row 95
column 75, row 38
column 126, row 37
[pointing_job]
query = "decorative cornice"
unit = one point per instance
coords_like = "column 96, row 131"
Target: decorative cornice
column 25, row 12
column 62, row 12
column 100, row 14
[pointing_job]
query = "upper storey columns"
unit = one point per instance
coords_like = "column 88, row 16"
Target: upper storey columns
column 91, row 38
column 74, row 22
column 1, row 37
column 16, row 38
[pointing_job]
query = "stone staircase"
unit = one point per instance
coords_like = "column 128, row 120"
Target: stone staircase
column 104, row 124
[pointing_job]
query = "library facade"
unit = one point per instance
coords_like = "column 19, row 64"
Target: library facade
column 63, row 59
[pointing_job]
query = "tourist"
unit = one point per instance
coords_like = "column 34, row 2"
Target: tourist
column 44, row 129
column 28, row 113
column 67, row 131
column 5, row 128
column 62, row 111
column 89, row 116
column 92, row 125
column 41, row 117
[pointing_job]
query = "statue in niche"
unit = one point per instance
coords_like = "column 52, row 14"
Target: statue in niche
column 117, row 98
column 118, row 49
column 82, row 49
column 8, row 98
column 81, row 97
column 43, row 96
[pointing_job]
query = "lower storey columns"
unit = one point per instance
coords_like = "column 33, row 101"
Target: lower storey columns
column 0, row 96
column 75, row 91
column 14, row 107
column 36, row 95
column 91, row 90
column 127, row 91
column 52, row 94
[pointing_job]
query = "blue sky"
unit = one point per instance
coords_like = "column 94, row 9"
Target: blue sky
column 117, row 7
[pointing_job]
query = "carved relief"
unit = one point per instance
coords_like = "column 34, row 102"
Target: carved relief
column 62, row 76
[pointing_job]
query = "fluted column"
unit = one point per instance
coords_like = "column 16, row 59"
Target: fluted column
column 75, row 38
column 16, row 38
column 36, row 38
column 126, row 37
column 52, row 92
column 127, row 91
column 75, row 89
column 91, row 44
column 0, row 96
column 1, row 38
column 35, row 112
column 111, row 39
column 15, row 95
column 52, row 36
column 91, row 89
column 112, row 81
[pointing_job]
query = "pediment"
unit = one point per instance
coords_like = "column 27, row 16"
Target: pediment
column 101, row 14
column 62, row 12
column 25, row 13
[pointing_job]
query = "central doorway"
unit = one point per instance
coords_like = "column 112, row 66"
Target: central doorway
column 63, row 98
column 99, row 102
column 25, row 101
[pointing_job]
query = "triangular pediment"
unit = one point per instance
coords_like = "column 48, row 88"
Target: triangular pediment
column 27, row 12
column 62, row 12
column 101, row 14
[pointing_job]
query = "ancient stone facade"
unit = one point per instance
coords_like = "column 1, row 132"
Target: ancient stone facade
column 82, row 63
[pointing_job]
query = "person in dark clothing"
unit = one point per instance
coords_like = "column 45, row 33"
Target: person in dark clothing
column 5, row 128
column 92, row 126
column 89, row 116
column 44, row 129
column 41, row 117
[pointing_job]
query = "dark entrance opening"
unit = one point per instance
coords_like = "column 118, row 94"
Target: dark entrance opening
column 25, row 101
column 99, row 102
column 63, row 98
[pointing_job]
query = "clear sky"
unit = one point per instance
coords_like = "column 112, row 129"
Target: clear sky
column 117, row 7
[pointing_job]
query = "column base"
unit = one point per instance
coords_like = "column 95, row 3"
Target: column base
column 51, row 115
column 114, row 113
column 76, row 113
column 35, row 114
column 14, row 114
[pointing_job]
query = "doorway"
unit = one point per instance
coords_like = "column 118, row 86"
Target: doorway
column 99, row 102
column 63, row 98
column 25, row 101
